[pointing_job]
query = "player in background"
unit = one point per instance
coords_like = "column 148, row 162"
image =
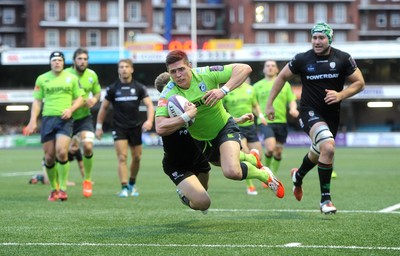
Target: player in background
column 61, row 95
column 276, row 131
column 74, row 152
column 240, row 101
column 214, row 129
column 125, row 95
column 323, row 71
column 83, row 120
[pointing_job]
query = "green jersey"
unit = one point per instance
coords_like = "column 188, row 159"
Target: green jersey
column 209, row 120
column 286, row 95
column 90, row 85
column 58, row 92
column 241, row 101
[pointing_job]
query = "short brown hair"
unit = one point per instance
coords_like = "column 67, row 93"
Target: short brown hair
column 127, row 61
column 161, row 81
column 176, row 55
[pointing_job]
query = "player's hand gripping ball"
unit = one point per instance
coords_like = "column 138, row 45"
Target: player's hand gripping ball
column 176, row 107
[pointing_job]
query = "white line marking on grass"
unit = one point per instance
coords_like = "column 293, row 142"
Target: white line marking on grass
column 13, row 174
column 382, row 248
column 292, row 244
column 293, row 210
column 391, row 208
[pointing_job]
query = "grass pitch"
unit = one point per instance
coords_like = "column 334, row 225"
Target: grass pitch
column 366, row 193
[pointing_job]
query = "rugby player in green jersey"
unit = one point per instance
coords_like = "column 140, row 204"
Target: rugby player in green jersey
column 214, row 129
column 276, row 131
column 240, row 101
column 184, row 162
column 83, row 120
column 61, row 95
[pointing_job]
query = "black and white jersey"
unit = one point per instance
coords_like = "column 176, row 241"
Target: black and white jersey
column 126, row 99
column 319, row 73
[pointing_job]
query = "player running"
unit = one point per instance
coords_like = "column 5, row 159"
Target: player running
column 83, row 120
column 323, row 71
column 61, row 95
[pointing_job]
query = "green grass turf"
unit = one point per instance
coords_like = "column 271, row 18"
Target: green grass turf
column 156, row 223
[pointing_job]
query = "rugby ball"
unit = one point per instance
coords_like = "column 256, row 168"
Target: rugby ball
column 176, row 107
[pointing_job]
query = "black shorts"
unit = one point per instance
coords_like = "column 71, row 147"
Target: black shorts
column 52, row 126
column 84, row 124
column 230, row 132
column 308, row 117
column 279, row 131
column 249, row 132
column 133, row 135
column 177, row 174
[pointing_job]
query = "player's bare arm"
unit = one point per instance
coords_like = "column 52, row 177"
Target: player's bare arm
column 357, row 84
column 32, row 125
column 244, row 118
column 67, row 113
column 259, row 114
column 240, row 72
column 284, row 75
column 168, row 125
column 92, row 101
column 148, row 124
column 293, row 109
column 100, row 118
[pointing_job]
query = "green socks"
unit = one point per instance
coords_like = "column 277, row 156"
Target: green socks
column 275, row 163
column 53, row 177
column 88, row 164
column 255, row 173
column 63, row 172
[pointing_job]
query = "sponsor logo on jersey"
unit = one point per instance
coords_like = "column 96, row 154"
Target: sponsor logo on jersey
column 57, row 89
column 202, row 87
column 323, row 76
column 353, row 62
column 183, row 132
column 167, row 89
column 301, row 123
column 200, row 70
column 311, row 68
column 216, row 68
column 162, row 102
column 176, row 176
column 126, row 98
column 198, row 103
column 312, row 116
